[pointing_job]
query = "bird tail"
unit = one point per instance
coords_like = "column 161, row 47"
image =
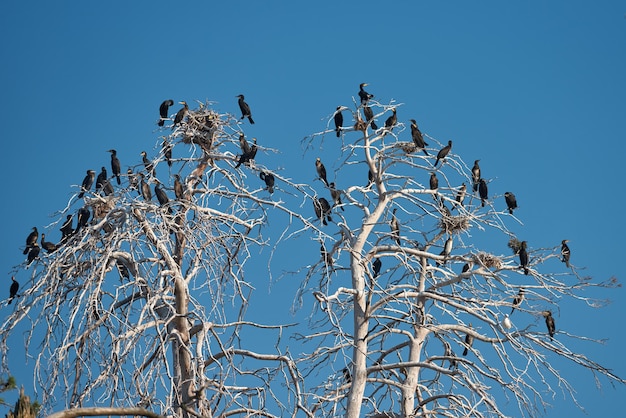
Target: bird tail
column 161, row 122
column 511, row 211
column 329, row 218
column 526, row 271
column 26, row 250
column 119, row 181
column 374, row 126
column 465, row 351
column 250, row 119
column 424, row 149
column 271, row 189
column 475, row 187
column 512, row 309
column 338, row 132
column 436, row 162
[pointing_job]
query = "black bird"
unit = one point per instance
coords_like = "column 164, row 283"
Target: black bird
column 369, row 117
column 31, row 239
column 115, row 166
column 322, row 209
column 483, row 191
column 124, row 272
column 565, row 252
column 447, row 249
column 180, row 115
column 338, row 120
column 475, row 175
column 101, row 179
column 321, row 170
column 395, row 227
column 336, row 195
column 418, row 138
column 370, row 178
column 145, row 189
column 87, row 182
column 179, row 191
column 376, row 266
column 518, row 299
column 523, row 257
column 443, row 152
column 15, row 286
column 326, row 256
column 391, row 120
column 268, row 178
column 245, row 109
column 434, row 181
column 243, row 144
column 346, row 375
column 549, row 323
column 82, row 218
column 167, row 152
column 33, row 253
column 132, row 179
column 469, row 340
column 163, row 110
column 147, row 163
column 66, row 228
column 365, row 96
column 50, row 247
column 107, row 188
column 460, row 196
column 161, row 195
column 511, row 201
column 246, row 157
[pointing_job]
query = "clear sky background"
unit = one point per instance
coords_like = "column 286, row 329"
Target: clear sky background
column 535, row 89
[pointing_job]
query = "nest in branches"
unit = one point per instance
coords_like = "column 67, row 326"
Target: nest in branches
column 102, row 206
column 201, row 127
column 454, row 224
column 515, row 245
column 408, row 147
column 488, row 260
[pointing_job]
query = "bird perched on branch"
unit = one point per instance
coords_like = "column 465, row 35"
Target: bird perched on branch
column 87, row 182
column 549, row 323
column 518, row 299
column 434, row 181
column 115, row 166
column 475, row 175
column 161, row 196
column 15, row 286
column 395, row 227
column 269, row 180
column 369, row 117
column 66, row 228
column 180, row 115
column 50, row 247
column 133, row 183
column 418, row 138
column 101, row 179
column 167, row 151
column 33, row 254
column 565, row 252
column 391, row 120
column 179, row 191
column 246, row 157
column 460, row 196
column 443, row 152
column 321, row 170
column 146, row 193
column 511, row 201
column 245, row 109
column 376, row 266
column 483, row 191
column 336, row 195
column 322, row 209
column 163, row 111
column 82, row 218
column 523, row 257
column 338, row 118
column 31, row 239
column 469, row 340
column 326, row 256
column 365, row 96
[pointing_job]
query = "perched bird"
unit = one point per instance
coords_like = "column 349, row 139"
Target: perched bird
column 147, row 163
column 15, row 286
column 31, row 239
column 466, row 268
column 460, row 196
column 180, row 115
column 518, row 299
column 124, row 272
column 511, row 201
column 506, row 322
column 370, row 178
column 475, row 175
column 365, row 96
column 145, row 189
column 447, row 249
column 336, row 195
column 82, row 218
column 87, row 182
column 523, row 257
column 66, row 228
column 115, row 165
column 50, row 247
column 346, row 375
column 161, row 196
column 369, row 117
column 321, row 170
column 395, row 227
column 483, row 191
column 246, row 157
column 243, row 144
column 338, row 120
column 391, row 120
column 268, row 178
column 469, row 340
column 163, row 110
column 245, row 109
column 179, row 191
column 376, row 266
column 549, row 323
column 565, row 252
column 322, row 209
column 434, row 181
column 326, row 256
column 33, row 253
column 443, row 152
column 418, row 138
column 167, row 151
column 101, row 179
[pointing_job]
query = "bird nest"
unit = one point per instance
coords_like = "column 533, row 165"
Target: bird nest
column 200, row 128
column 488, row 260
column 454, row 224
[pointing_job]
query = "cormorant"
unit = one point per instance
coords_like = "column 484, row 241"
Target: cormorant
column 179, row 191
column 336, row 195
column 483, row 191
column 15, row 286
column 370, row 178
column 369, row 117
column 322, row 209
column 82, row 218
column 443, row 152
column 434, row 181
column 180, row 115
column 565, row 252
column 268, row 178
column 460, row 196
column 245, row 109
column 325, row 209
column 162, row 196
column 167, row 151
column 365, row 96
column 163, row 110
column 101, row 179
column 147, row 163
column 115, row 166
column 50, row 247
column 346, row 375
column 132, row 179
column 87, row 183
column 321, row 170
column 376, row 266
column 66, row 228
column 243, row 144
column 549, row 323
column 246, row 157
column 124, row 272
column 475, row 175
column 145, row 189
column 447, row 249
column 511, row 202
column 338, row 120
column 518, row 299
column 469, row 340
column 326, row 257
column 391, row 120
column 395, row 227
column 33, row 253
column 31, row 239
column 523, row 257
column 418, row 138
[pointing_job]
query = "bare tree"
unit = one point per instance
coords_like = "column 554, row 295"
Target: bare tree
column 424, row 289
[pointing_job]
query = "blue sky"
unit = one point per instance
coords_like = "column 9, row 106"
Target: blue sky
column 536, row 90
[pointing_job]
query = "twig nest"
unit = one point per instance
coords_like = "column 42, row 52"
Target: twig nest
column 488, row 260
